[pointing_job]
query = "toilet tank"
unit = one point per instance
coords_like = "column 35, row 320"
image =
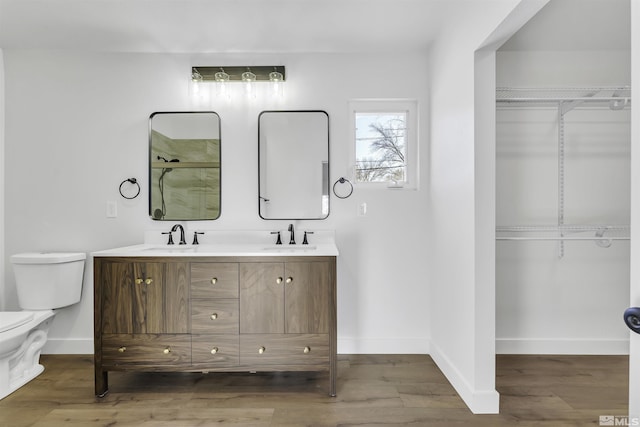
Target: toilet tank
column 48, row 280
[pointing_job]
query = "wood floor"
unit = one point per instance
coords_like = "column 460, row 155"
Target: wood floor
column 381, row 390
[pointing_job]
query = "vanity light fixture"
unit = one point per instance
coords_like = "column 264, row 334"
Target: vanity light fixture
column 250, row 76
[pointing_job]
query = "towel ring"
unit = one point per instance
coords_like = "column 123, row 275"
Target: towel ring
column 343, row 180
column 131, row 181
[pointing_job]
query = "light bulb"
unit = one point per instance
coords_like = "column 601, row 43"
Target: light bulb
column 248, row 78
column 276, row 79
column 196, row 82
column 222, row 80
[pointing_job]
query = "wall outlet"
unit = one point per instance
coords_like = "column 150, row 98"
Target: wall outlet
column 112, row 209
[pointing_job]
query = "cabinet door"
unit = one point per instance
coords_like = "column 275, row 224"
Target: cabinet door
column 139, row 299
column 175, row 300
column 262, row 298
column 119, row 298
column 149, row 290
column 307, row 293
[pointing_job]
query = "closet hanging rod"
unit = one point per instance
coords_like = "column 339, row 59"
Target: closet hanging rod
column 575, row 228
column 563, row 238
column 603, row 234
column 626, row 99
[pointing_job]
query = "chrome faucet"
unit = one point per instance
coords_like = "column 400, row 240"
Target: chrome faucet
column 179, row 227
column 292, row 240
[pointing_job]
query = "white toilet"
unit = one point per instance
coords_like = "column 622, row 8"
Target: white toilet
column 44, row 281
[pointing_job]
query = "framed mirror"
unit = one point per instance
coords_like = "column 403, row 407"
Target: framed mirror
column 293, row 164
column 184, row 166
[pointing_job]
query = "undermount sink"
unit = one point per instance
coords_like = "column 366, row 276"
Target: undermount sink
column 290, row 248
column 172, row 248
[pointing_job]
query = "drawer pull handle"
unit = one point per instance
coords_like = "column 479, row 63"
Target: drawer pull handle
column 214, row 280
column 289, row 280
column 139, row 281
column 167, row 350
column 261, row 350
column 279, row 280
column 214, row 350
column 148, row 281
column 214, row 316
column 122, row 349
column 307, row 349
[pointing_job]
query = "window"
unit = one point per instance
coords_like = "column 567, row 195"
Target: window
column 384, row 142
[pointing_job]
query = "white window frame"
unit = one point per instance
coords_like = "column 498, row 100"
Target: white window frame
column 408, row 106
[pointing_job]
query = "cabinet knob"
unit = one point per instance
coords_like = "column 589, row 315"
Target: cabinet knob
column 139, row 281
column 122, row 349
column 307, row 349
column 214, row 350
column 148, row 281
column 289, row 280
column 214, row 316
column 214, row 280
column 261, row 350
column 279, row 280
column 167, row 350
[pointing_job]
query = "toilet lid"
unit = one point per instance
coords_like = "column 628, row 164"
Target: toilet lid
column 13, row 319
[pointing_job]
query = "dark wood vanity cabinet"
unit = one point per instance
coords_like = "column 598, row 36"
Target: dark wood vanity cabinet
column 213, row 314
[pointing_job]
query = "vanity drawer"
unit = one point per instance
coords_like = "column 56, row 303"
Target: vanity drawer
column 284, row 349
column 146, row 350
column 215, row 316
column 215, row 351
column 214, row 280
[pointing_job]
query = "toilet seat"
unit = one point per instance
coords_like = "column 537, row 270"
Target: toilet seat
column 13, row 319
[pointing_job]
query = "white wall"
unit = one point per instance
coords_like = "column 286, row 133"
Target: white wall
column 573, row 304
column 461, row 309
column 634, row 294
column 2, row 174
column 76, row 127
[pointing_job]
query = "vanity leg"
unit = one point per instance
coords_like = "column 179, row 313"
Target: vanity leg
column 332, row 382
column 333, row 332
column 101, row 383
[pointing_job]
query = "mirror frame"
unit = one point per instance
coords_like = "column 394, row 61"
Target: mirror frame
column 150, row 161
column 328, row 180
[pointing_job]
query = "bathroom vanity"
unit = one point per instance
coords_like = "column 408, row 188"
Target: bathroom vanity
column 215, row 308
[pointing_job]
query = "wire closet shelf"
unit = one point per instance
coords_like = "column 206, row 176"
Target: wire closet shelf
column 617, row 96
column 564, row 100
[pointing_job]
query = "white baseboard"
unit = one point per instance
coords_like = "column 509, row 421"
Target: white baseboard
column 68, row 346
column 478, row 401
column 383, row 346
column 561, row 346
column 412, row 346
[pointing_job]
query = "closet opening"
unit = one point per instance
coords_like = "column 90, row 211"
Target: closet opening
column 563, row 175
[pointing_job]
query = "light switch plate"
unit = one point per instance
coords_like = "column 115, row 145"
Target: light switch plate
column 112, row 209
column 362, row 209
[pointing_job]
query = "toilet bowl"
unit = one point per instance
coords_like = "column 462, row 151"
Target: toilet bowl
column 44, row 281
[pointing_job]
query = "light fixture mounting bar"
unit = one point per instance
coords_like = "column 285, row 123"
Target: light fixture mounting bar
column 235, row 73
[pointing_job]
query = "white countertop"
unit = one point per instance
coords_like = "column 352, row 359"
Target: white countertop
column 227, row 243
